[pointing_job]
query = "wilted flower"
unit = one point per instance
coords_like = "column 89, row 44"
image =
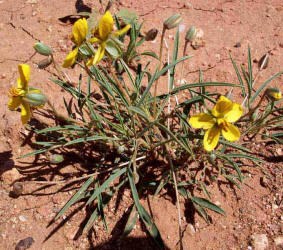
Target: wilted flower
column 102, row 34
column 78, row 37
column 219, row 122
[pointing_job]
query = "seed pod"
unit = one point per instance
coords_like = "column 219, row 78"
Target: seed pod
column 212, row 157
column 42, row 49
column 151, row 34
column 56, row 158
column 44, row 63
column 35, row 99
column 190, row 35
column 121, row 149
column 274, row 94
column 17, row 189
column 172, row 21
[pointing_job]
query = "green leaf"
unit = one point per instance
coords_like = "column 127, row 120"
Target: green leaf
column 75, row 197
column 131, row 222
column 264, row 85
column 207, row 204
column 146, row 218
column 115, row 174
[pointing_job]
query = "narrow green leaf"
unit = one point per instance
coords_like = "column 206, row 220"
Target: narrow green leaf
column 264, row 85
column 146, row 218
column 207, row 204
column 75, row 197
column 131, row 222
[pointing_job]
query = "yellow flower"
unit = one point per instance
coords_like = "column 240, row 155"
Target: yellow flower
column 17, row 94
column 219, row 122
column 102, row 34
column 78, row 37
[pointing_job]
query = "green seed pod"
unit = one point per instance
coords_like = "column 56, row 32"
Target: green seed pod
column 44, row 63
column 35, row 99
column 56, row 158
column 42, row 49
column 212, row 157
column 274, row 94
column 172, row 21
column 121, row 149
column 190, row 35
column 151, row 34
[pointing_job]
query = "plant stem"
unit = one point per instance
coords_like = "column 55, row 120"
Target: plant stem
column 159, row 67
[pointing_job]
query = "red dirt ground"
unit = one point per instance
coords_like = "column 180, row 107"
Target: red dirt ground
column 255, row 209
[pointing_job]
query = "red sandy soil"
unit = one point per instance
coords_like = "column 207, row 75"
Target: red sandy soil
column 255, row 209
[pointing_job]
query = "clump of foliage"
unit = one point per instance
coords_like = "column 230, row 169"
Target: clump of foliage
column 128, row 125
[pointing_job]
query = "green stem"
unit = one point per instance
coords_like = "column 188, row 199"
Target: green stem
column 159, row 67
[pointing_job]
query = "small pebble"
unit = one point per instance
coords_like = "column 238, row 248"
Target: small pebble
column 263, row 181
column 24, row 244
column 237, row 45
column 22, row 218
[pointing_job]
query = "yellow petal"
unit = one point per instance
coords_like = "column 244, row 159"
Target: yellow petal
column 231, row 132
column 70, row 58
column 14, row 102
column 79, row 31
column 25, row 112
column 98, row 56
column 106, row 24
column 94, row 40
column 122, row 31
column 235, row 113
column 202, row 120
column 223, row 106
column 24, row 71
column 211, row 138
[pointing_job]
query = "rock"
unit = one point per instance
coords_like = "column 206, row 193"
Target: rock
column 17, row 189
column 278, row 241
column 263, row 181
column 259, row 241
column 25, row 243
column 191, row 229
column 238, row 45
column 11, row 176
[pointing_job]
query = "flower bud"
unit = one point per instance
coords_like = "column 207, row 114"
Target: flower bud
column 151, row 34
column 172, row 21
column 56, row 158
column 190, row 35
column 35, row 99
column 274, row 94
column 42, row 49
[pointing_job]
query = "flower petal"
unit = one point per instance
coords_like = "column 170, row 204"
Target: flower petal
column 231, row 132
column 94, row 40
column 14, row 102
column 70, row 58
column 25, row 112
column 98, row 56
column 234, row 114
column 79, row 31
column 211, row 138
column 24, row 71
column 202, row 120
column 223, row 106
column 106, row 24
column 122, row 31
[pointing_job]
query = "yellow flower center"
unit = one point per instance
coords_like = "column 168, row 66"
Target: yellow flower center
column 16, row 92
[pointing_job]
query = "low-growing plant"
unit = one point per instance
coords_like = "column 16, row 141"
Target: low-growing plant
column 128, row 126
